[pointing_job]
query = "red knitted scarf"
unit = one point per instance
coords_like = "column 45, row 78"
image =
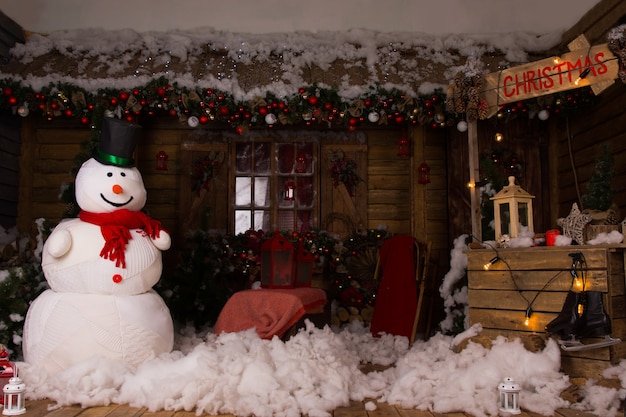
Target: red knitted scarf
column 115, row 230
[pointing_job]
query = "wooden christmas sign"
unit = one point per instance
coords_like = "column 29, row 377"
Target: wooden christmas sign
column 584, row 65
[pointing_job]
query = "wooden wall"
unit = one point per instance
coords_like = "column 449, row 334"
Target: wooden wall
column 389, row 194
column 523, row 137
column 9, row 170
column 575, row 145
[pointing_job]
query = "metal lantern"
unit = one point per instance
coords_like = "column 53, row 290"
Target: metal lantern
column 6, row 369
column 290, row 190
column 509, row 396
column 423, row 173
column 304, row 267
column 513, row 208
column 14, row 397
column 161, row 161
column 403, row 147
column 277, row 263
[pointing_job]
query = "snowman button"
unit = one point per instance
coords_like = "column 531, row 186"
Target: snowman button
column 117, row 278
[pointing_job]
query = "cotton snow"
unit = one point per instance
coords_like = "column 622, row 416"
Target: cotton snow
column 314, row 372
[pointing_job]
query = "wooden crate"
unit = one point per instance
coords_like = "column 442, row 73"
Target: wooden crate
column 540, row 277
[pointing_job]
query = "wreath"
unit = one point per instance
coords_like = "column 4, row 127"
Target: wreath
column 204, row 169
column 342, row 169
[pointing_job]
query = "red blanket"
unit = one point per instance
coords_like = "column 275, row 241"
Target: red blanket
column 270, row 311
column 396, row 300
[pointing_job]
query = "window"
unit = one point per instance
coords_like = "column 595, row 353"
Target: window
column 275, row 186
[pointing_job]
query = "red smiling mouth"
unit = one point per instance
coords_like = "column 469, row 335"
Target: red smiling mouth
column 116, row 204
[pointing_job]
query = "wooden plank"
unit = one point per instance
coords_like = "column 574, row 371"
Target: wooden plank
column 568, row 412
column 160, row 413
column 383, row 410
column 509, row 320
column 126, row 411
column 541, row 258
column 586, row 368
column 414, row 413
column 37, row 408
column 474, row 176
column 514, row 300
column 70, row 411
column 535, row 281
column 101, row 411
column 355, row 409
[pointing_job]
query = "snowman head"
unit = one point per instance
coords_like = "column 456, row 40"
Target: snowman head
column 109, row 181
column 104, row 188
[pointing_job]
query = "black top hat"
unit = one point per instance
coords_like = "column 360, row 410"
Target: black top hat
column 117, row 142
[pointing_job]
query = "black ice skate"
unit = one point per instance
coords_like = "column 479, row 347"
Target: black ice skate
column 592, row 323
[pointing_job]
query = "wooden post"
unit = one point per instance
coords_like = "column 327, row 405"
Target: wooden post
column 474, row 177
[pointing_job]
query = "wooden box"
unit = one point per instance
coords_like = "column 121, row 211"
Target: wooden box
column 540, row 277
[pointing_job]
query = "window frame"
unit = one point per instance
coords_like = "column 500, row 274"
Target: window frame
column 276, row 182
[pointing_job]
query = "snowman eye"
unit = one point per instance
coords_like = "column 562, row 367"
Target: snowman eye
column 109, row 174
column 123, row 174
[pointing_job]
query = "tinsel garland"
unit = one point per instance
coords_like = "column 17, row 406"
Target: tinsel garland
column 310, row 106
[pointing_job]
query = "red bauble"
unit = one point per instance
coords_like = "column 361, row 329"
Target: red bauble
column 161, row 91
column 312, row 100
column 123, row 96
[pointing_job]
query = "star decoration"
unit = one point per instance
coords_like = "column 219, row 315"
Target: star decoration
column 574, row 224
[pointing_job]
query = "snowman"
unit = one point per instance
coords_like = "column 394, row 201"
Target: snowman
column 101, row 268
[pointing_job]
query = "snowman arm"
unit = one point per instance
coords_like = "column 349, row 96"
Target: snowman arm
column 58, row 243
column 163, row 241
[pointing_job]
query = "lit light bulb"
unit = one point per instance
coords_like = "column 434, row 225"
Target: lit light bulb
column 583, row 75
column 578, row 284
column 490, row 263
column 581, row 308
column 556, row 59
column 529, row 311
column 499, row 137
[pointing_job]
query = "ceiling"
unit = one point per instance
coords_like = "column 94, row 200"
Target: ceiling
column 278, row 16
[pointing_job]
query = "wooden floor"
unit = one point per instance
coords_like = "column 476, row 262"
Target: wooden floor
column 39, row 408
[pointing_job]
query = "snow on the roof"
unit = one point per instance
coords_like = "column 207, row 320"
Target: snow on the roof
column 245, row 64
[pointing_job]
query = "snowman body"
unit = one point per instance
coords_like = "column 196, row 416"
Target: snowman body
column 97, row 306
column 81, row 269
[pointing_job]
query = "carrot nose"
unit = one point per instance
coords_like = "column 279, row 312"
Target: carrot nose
column 117, row 189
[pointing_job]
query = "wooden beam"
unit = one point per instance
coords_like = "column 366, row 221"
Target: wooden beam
column 474, row 175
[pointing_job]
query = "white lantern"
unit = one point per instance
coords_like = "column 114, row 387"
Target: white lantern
column 509, row 396
column 512, row 208
column 14, row 397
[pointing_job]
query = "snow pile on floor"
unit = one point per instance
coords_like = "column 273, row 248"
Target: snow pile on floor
column 313, row 373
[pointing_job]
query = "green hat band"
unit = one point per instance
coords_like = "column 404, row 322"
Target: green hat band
column 114, row 160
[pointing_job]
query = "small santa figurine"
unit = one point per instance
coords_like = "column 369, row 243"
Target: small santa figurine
column 101, row 268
